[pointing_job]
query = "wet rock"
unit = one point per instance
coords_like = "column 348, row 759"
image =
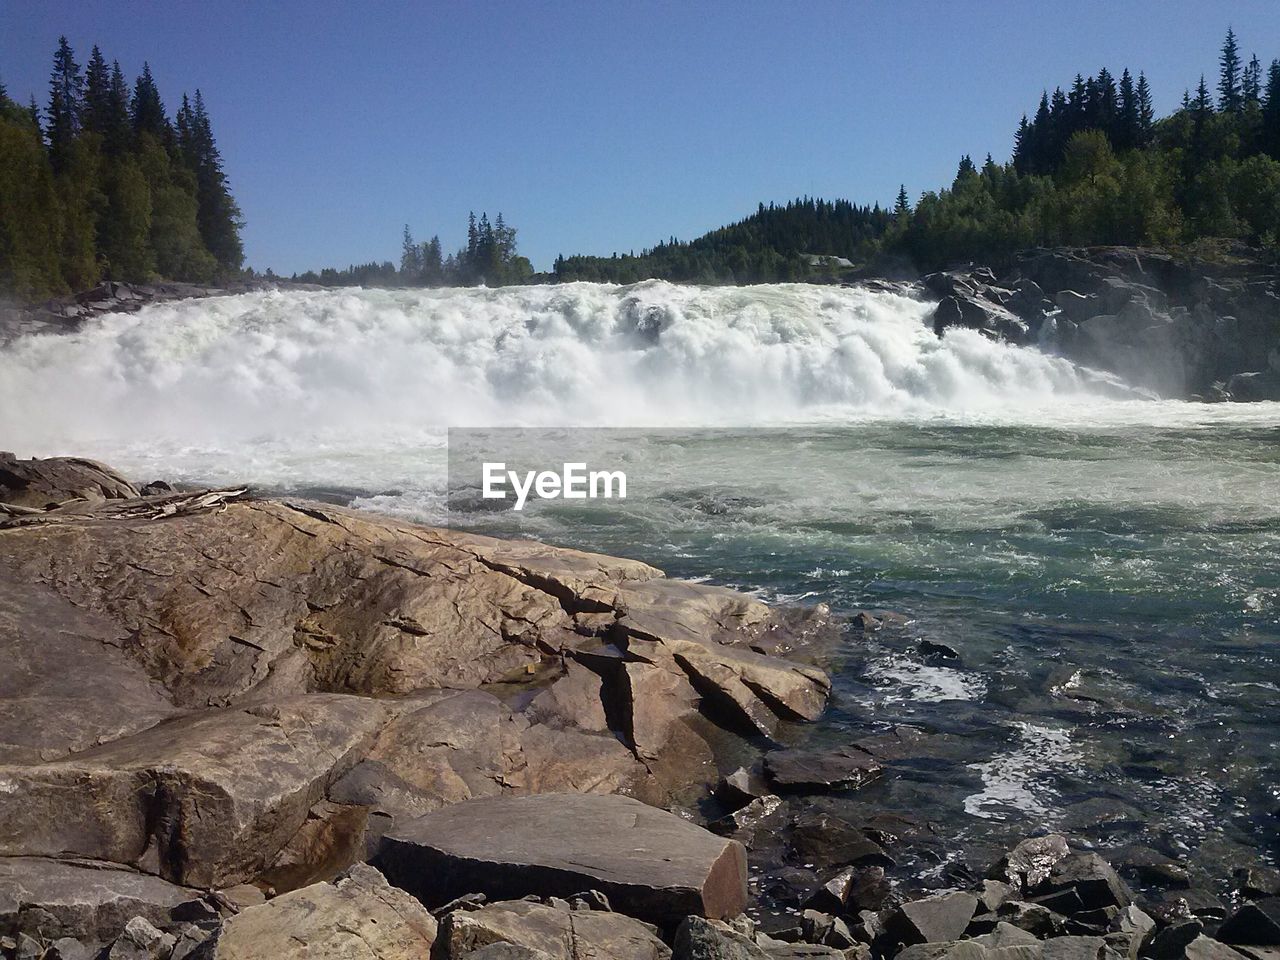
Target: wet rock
column 833, row 896
column 825, row 840
column 42, row 484
column 1090, row 878
column 358, row 916
column 935, row 651
column 1168, row 943
column 649, row 863
column 870, row 890
column 741, row 787
column 1032, row 917
column 85, row 901
column 933, row 920
column 743, row 823
column 1256, row 882
column 1254, row 386
column 1254, row 923
column 1029, row 864
column 549, row 931
column 797, row 769
column 1151, row 868
column 1194, row 903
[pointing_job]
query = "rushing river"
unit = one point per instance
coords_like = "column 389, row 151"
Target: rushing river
column 1106, row 565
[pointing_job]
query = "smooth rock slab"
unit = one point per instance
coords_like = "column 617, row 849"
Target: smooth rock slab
column 54, row 898
column 649, row 863
column 820, row 769
column 358, row 916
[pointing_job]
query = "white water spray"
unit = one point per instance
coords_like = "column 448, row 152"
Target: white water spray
column 364, row 364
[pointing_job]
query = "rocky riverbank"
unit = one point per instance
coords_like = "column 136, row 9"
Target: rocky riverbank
column 243, row 727
column 67, row 314
column 1182, row 326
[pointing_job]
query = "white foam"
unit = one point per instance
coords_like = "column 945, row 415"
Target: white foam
column 396, row 364
column 902, row 679
column 1014, row 783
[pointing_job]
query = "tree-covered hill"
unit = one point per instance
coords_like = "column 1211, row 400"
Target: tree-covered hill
column 102, row 184
column 774, row 243
column 1092, row 165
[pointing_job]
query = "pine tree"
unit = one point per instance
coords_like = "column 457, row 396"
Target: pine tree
column 117, row 131
column 1271, row 112
column 218, row 216
column 147, row 109
column 902, row 206
column 1021, row 145
column 97, row 92
column 1146, row 111
column 1251, row 82
column 1230, row 97
column 66, row 105
column 1128, row 122
column 1105, row 106
column 410, row 259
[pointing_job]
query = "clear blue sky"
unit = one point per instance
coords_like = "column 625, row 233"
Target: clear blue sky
column 602, row 126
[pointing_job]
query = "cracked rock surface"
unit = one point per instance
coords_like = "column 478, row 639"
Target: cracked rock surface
column 206, row 689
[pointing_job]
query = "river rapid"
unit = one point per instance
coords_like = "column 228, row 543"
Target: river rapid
column 1105, row 564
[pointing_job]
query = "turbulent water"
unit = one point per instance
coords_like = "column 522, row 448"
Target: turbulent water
column 1107, row 565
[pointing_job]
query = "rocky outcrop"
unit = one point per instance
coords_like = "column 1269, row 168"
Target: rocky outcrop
column 66, row 314
column 38, row 485
column 1179, row 325
column 649, row 863
column 279, row 684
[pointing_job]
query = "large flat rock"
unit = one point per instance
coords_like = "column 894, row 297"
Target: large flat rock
column 651, row 864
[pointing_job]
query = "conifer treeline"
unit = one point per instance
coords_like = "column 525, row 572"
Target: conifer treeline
column 102, row 185
column 489, row 257
column 1093, row 165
